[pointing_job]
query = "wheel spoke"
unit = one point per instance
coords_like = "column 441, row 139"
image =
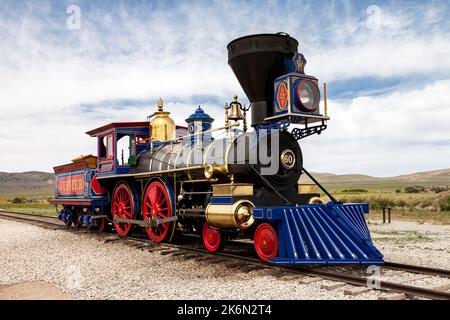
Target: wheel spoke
column 160, row 196
column 122, row 206
column 152, row 194
column 157, row 204
column 161, row 215
column 162, row 203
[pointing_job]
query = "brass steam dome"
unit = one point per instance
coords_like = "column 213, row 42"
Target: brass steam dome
column 162, row 126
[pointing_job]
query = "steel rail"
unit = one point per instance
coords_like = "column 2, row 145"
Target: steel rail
column 417, row 269
column 389, row 265
column 27, row 216
column 408, row 290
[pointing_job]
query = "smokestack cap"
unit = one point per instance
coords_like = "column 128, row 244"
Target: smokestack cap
column 257, row 60
column 263, row 42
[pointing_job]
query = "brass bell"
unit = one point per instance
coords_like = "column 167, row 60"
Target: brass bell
column 235, row 112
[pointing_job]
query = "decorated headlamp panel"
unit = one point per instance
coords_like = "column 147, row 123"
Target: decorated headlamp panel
column 199, row 122
column 296, row 95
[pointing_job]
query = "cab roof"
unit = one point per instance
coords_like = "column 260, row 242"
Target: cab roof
column 137, row 124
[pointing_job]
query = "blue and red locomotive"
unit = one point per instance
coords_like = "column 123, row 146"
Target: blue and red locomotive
column 228, row 182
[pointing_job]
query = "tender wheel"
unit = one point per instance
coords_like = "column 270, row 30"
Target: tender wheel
column 98, row 228
column 266, row 242
column 123, row 207
column 212, row 238
column 157, row 204
column 77, row 223
column 101, row 225
column 68, row 223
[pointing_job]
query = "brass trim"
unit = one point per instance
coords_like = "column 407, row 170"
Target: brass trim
column 189, row 161
column 177, row 157
column 205, row 152
column 306, row 188
column 155, row 151
column 211, row 171
column 289, row 105
column 283, row 159
column 236, row 124
column 227, row 216
column 162, row 125
column 149, row 174
column 161, row 162
column 227, row 152
column 233, row 189
column 325, row 100
column 315, row 200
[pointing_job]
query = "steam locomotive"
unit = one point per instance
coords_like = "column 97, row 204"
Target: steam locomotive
column 227, row 182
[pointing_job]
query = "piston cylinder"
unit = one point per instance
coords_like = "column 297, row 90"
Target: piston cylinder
column 237, row 215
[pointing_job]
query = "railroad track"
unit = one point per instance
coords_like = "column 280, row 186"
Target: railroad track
column 340, row 275
column 40, row 219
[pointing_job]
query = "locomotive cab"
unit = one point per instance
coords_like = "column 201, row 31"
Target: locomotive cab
column 118, row 145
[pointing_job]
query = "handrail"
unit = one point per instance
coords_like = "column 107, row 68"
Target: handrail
column 202, row 132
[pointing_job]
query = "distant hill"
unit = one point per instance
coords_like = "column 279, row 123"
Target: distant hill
column 442, row 174
column 339, row 182
column 36, row 183
column 30, row 183
column 331, row 177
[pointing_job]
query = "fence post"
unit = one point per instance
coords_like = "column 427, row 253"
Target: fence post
column 384, row 214
column 389, row 215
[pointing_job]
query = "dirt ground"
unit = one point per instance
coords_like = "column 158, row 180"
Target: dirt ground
column 36, row 290
column 38, row 263
column 410, row 242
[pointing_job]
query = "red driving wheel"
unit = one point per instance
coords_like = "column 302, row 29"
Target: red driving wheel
column 266, row 242
column 123, row 207
column 156, row 204
column 212, row 238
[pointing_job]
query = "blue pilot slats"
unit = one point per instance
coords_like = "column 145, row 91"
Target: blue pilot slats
column 321, row 234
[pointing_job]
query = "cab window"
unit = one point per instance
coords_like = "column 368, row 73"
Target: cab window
column 106, row 145
column 109, row 147
column 126, row 149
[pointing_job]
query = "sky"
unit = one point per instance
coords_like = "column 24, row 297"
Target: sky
column 70, row 66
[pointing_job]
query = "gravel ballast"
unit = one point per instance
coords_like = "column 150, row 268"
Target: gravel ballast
column 409, row 242
column 85, row 268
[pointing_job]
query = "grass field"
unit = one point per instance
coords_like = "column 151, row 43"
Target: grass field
column 38, row 207
column 378, row 192
column 424, row 206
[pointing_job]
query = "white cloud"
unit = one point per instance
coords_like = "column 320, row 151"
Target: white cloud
column 385, row 135
column 48, row 74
